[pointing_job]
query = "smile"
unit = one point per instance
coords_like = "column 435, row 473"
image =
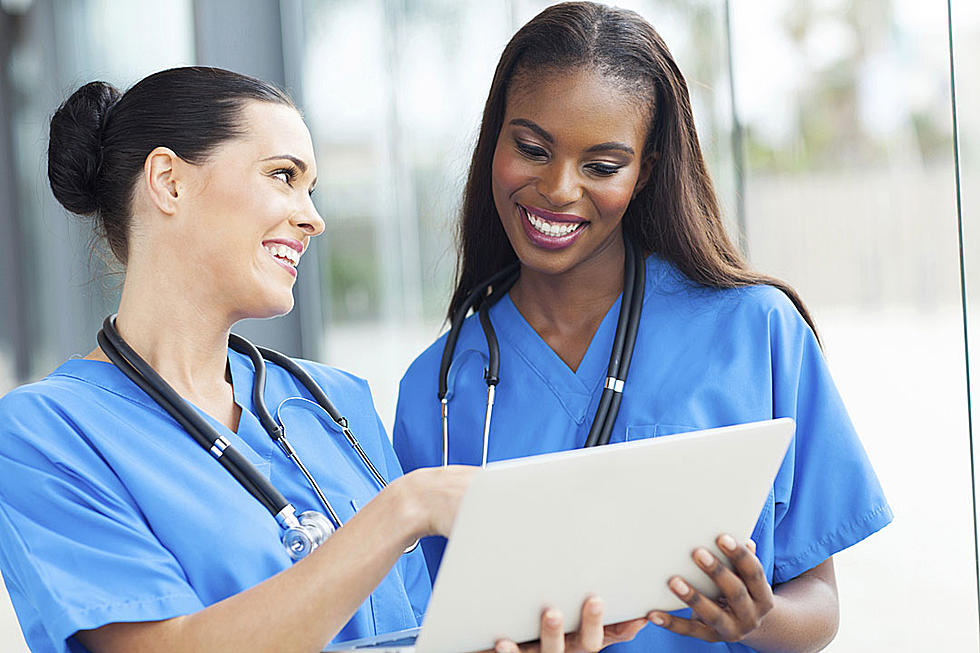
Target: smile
column 283, row 253
column 551, row 230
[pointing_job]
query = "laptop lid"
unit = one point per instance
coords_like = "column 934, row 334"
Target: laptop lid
column 616, row 521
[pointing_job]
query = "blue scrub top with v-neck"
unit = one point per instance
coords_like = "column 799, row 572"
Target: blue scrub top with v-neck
column 704, row 357
column 110, row 512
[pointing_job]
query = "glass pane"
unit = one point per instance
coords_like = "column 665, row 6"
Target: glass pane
column 57, row 45
column 965, row 27
column 849, row 197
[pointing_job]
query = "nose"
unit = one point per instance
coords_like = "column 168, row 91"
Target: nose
column 308, row 219
column 559, row 184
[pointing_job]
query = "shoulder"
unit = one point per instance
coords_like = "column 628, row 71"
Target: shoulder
column 51, row 418
column 62, row 391
column 334, row 379
column 422, row 375
column 759, row 306
column 426, row 365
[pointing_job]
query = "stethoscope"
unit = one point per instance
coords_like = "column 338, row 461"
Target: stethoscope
column 498, row 285
column 301, row 533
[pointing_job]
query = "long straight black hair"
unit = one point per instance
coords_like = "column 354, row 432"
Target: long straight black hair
column 676, row 214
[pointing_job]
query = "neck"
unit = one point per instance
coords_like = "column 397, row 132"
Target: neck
column 177, row 331
column 577, row 297
column 566, row 308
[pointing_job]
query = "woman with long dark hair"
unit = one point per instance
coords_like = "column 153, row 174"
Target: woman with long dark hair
column 119, row 529
column 587, row 176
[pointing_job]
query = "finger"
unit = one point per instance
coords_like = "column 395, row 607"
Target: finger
column 683, row 626
column 552, row 632
column 710, row 613
column 750, row 545
column 590, row 631
column 624, row 631
column 507, row 646
column 749, row 570
column 735, row 595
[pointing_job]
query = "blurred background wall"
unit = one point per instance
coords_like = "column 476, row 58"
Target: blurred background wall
column 843, row 136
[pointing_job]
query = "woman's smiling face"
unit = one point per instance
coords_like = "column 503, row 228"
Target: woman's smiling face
column 568, row 161
column 253, row 211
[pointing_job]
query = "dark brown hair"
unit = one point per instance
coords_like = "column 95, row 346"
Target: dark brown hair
column 675, row 215
column 100, row 138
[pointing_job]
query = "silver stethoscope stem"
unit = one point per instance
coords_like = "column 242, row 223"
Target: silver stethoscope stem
column 364, row 457
column 445, row 431
column 491, row 392
column 292, row 455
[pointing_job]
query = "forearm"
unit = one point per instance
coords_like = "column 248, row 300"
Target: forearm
column 804, row 616
column 299, row 609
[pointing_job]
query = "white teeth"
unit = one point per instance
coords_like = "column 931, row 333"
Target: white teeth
column 284, row 252
column 553, row 229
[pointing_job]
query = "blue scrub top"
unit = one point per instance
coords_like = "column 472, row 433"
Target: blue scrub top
column 110, row 512
column 704, row 357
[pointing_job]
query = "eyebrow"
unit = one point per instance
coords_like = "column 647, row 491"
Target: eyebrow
column 612, row 145
column 540, row 131
column 300, row 163
column 533, row 126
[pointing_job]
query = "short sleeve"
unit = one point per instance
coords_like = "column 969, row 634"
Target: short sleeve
column 74, row 549
column 400, row 433
column 827, row 496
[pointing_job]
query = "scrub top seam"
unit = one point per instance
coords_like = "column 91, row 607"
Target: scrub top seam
column 832, row 541
column 71, row 621
column 150, row 405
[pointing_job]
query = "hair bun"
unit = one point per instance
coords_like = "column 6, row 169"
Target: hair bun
column 75, row 146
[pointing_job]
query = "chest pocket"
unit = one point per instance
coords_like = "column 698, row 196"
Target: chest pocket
column 644, row 431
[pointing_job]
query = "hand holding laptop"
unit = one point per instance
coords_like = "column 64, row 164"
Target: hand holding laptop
column 591, row 635
column 745, row 595
column 491, row 585
column 746, row 598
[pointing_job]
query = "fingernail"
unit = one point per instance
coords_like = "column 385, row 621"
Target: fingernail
column 500, row 647
column 595, row 606
column 679, row 586
column 727, row 542
column 705, row 558
column 658, row 619
column 552, row 618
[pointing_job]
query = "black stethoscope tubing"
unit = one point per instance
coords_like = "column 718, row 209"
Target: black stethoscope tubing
column 144, row 376
column 249, row 477
column 624, row 341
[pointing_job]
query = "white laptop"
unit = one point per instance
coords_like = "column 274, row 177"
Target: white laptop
column 614, row 521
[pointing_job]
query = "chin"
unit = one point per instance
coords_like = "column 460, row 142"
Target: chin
column 273, row 307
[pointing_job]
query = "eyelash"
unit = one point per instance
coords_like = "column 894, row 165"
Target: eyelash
column 531, row 151
column 536, row 153
column 291, row 174
column 603, row 169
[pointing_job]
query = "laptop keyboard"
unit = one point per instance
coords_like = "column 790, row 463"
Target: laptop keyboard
column 399, row 641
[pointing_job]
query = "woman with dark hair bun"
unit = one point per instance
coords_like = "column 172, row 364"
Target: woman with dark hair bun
column 588, row 206
column 118, row 532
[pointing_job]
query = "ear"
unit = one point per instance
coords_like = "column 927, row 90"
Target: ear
column 646, row 167
column 160, row 177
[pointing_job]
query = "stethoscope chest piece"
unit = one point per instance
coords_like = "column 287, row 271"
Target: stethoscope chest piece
column 308, row 531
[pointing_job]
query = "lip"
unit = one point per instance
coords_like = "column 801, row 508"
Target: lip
column 553, row 217
column 545, row 241
column 292, row 243
column 288, row 242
